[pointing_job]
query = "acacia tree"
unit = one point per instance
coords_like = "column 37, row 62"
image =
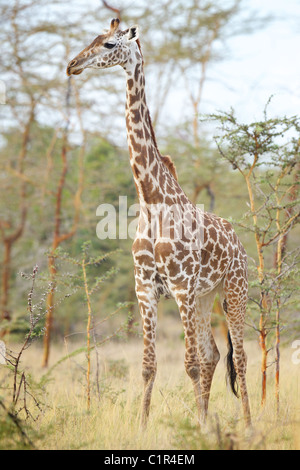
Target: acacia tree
column 33, row 69
column 266, row 154
column 58, row 236
column 21, row 108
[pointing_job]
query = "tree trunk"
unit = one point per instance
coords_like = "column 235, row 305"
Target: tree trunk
column 49, row 310
column 6, row 267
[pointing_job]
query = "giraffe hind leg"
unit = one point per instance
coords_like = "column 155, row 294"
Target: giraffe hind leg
column 235, row 296
column 209, row 355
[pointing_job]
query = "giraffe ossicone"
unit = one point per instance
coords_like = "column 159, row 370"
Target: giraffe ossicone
column 170, row 265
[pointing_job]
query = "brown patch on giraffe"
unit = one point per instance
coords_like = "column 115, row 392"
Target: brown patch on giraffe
column 136, row 147
column 213, row 233
column 144, row 260
column 137, row 72
column 155, row 170
column 181, row 282
column 169, row 201
column 163, row 251
column 147, row 274
column 187, row 266
column 142, row 245
column 151, row 193
column 139, row 133
column 147, row 133
column 222, row 239
column 209, row 247
column 205, row 272
column 136, row 117
column 130, row 84
column 207, row 220
column 215, row 276
column 223, row 264
column 174, row 268
column 134, row 99
column 141, row 158
column 151, row 154
column 214, row 263
column 136, row 171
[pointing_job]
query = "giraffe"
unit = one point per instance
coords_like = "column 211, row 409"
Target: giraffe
column 198, row 256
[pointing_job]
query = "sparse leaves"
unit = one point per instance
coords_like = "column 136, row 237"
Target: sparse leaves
column 267, row 154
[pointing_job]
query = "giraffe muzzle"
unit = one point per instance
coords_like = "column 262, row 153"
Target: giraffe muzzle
column 74, row 68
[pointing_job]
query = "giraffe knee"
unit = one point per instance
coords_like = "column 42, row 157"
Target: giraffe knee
column 193, row 370
column 149, row 373
column 209, row 357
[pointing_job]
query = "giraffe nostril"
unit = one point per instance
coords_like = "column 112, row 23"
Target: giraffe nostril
column 73, row 63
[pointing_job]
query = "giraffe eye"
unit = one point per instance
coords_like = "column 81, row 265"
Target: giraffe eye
column 108, row 45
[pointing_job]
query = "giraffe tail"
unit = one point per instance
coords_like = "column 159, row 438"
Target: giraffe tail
column 231, row 372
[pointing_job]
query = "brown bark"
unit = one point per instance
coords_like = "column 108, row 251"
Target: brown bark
column 260, row 269
column 6, row 267
column 113, row 9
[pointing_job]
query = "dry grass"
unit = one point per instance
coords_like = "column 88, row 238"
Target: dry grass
column 113, row 421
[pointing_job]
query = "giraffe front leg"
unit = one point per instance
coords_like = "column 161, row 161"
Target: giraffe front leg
column 148, row 307
column 192, row 364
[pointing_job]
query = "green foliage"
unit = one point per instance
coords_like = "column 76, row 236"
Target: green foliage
column 267, row 155
column 14, row 433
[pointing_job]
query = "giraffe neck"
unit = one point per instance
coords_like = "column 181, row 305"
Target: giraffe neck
column 145, row 158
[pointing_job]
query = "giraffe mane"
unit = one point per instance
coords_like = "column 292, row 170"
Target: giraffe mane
column 167, row 160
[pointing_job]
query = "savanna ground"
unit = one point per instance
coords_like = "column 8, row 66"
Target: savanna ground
column 113, row 420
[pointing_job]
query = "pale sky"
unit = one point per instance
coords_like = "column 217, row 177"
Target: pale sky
column 256, row 66
column 261, row 64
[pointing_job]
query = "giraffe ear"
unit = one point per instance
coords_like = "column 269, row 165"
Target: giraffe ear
column 133, row 33
column 114, row 25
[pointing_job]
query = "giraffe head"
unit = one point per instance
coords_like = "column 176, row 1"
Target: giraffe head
column 113, row 47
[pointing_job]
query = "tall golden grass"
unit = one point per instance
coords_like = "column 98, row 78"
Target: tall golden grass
column 113, row 420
